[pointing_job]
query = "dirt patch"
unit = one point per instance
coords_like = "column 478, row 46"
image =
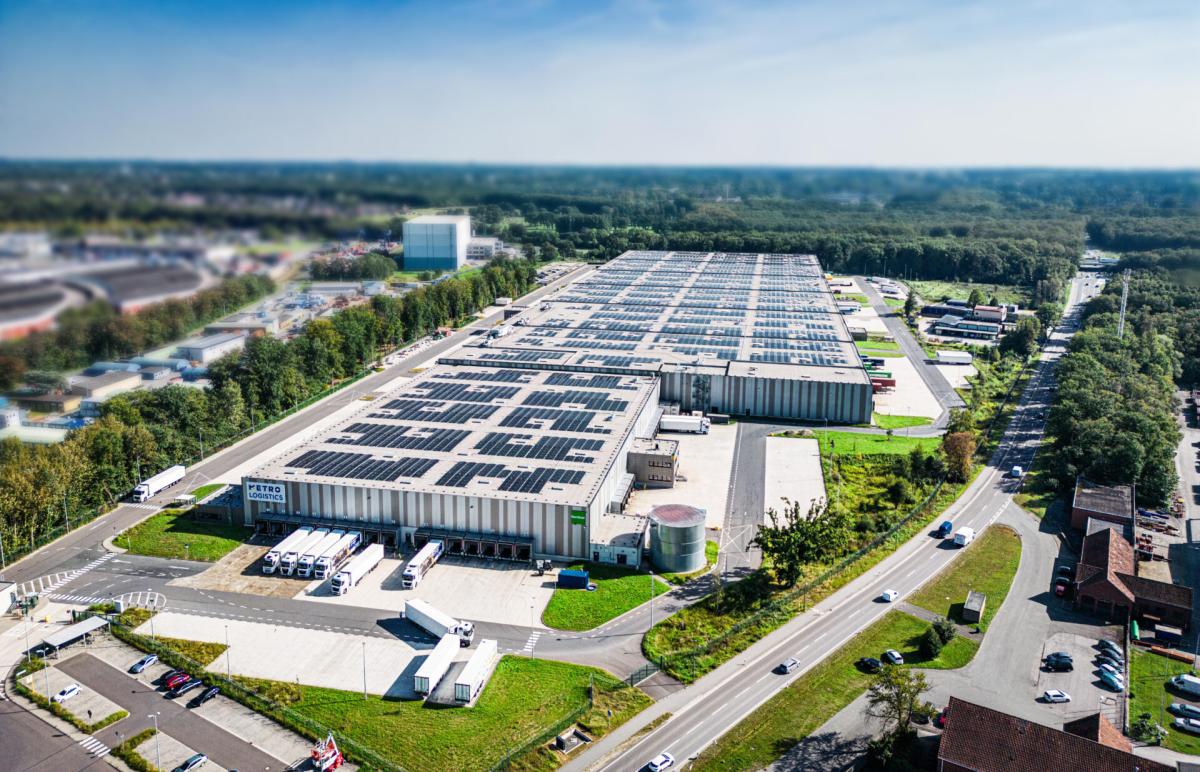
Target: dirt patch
column 241, row 571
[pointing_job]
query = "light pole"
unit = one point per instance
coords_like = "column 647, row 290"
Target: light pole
column 157, row 755
column 364, row 650
column 651, row 600
column 152, row 635
column 227, row 675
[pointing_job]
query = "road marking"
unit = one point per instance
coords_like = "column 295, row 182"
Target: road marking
column 93, row 746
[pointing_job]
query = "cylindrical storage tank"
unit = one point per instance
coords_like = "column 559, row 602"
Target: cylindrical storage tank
column 677, row 538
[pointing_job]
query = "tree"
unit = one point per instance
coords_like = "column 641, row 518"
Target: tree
column 1146, row 730
column 960, row 420
column 1022, row 340
column 894, row 695
column 794, row 539
column 959, row 451
column 975, row 298
column 910, row 305
column 945, row 629
column 931, row 643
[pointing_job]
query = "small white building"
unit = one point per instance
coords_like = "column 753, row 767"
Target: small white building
column 211, row 348
column 950, row 357
column 484, row 247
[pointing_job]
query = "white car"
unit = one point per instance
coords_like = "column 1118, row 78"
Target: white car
column 1187, row 725
column 66, row 693
column 1017, row 472
column 893, row 657
column 1056, row 695
column 661, row 762
column 889, row 595
column 1107, row 668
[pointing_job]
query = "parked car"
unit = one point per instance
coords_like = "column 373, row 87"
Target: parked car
column 204, row 696
column 162, row 679
column 1056, row 695
column 1107, row 644
column 1060, row 655
column 789, row 665
column 184, row 688
column 1060, row 665
column 192, row 762
column 1108, row 659
column 869, row 664
column 1060, row 587
column 1187, row 724
column 893, row 657
column 1107, row 668
column 66, row 693
column 143, row 663
column 1066, row 571
column 940, row 721
column 1113, row 682
column 660, row 762
column 1184, row 709
column 889, row 595
column 177, row 680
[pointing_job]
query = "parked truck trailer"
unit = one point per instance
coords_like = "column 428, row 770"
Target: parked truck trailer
column 421, row 564
column 159, row 482
column 359, row 566
column 287, row 564
column 437, row 623
column 474, row 675
column 691, row 424
column 331, row 559
column 276, row 553
column 308, row 560
column 433, row 670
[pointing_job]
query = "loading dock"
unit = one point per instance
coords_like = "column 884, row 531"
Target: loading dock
column 491, row 546
column 277, row 524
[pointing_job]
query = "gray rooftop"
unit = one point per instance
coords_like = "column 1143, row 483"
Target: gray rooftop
column 521, row 434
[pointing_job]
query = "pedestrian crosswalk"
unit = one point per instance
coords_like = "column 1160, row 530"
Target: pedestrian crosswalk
column 149, row 507
column 82, row 600
column 93, row 746
column 533, row 639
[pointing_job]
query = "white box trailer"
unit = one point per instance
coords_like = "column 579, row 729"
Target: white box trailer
column 164, row 479
column 359, row 566
column 474, row 676
column 434, row 668
column 692, row 424
column 287, row 564
column 951, row 357
column 437, row 623
column 421, row 563
column 308, row 560
column 276, row 553
column 328, row 561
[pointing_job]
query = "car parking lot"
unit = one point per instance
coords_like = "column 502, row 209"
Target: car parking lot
column 1088, row 692
column 88, row 705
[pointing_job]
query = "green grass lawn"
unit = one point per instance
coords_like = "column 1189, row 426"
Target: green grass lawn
column 853, row 297
column 878, row 345
column 710, row 555
column 885, row 421
column 205, row 490
column 524, row 697
column 173, row 534
column 1148, row 674
column 617, row 590
column 202, row 652
column 818, row 695
column 1038, row 491
column 988, row 566
column 935, row 291
column 893, row 302
column 857, row 444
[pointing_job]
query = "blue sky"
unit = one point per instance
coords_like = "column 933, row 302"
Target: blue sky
column 1091, row 83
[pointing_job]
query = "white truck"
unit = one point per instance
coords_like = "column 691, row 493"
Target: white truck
column 434, row 668
column 692, row 424
column 308, row 560
column 359, row 566
column 474, row 675
column 437, row 623
column 421, row 564
column 161, row 481
column 273, row 556
column 333, row 557
column 287, row 563
column 964, row 536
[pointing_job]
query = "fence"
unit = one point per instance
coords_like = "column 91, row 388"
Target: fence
column 671, row 661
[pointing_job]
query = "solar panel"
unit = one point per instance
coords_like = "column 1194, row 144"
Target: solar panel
column 435, row 412
column 558, row 420
column 464, row 392
column 359, row 466
column 590, row 381
column 502, row 376
column 590, row 399
column 404, row 437
column 549, row 448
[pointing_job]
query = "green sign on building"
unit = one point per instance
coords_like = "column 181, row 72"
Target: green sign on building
column 578, row 516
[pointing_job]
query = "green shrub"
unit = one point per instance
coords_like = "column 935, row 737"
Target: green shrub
column 945, row 629
column 931, row 643
column 126, row 751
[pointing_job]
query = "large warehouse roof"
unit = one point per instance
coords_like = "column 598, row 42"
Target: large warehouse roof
column 501, row 433
column 758, row 314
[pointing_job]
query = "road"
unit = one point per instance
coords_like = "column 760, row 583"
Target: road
column 718, row 701
column 28, row 744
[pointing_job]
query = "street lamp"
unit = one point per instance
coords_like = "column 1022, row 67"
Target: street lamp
column 651, row 600
column 364, row 651
column 152, row 635
column 227, row 675
column 157, row 755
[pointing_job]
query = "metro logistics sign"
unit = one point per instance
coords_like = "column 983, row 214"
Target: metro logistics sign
column 271, row 493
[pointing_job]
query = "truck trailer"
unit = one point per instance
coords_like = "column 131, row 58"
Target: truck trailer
column 161, row 481
column 287, row 563
column 329, row 561
column 691, row 424
column 437, row 623
column 359, row 566
column 276, row 553
column 421, row 564
column 308, row 559
column 474, row 675
column 431, row 672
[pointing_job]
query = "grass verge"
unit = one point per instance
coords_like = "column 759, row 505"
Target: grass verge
column 127, row 751
column 710, row 559
column 988, row 566
column 617, row 590
column 819, row 694
column 523, row 698
column 1148, row 674
column 885, row 421
column 933, row 291
column 200, row 651
column 861, row 444
column 205, row 490
column 175, row 534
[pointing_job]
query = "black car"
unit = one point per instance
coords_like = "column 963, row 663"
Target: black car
column 870, row 664
column 1060, row 665
column 204, row 696
column 167, row 676
column 1060, row 655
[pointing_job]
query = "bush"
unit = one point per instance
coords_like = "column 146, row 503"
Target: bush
column 125, row 751
column 945, row 629
column 931, row 643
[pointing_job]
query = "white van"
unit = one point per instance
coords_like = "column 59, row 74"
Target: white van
column 1188, row 684
column 964, row 536
column 1017, row 472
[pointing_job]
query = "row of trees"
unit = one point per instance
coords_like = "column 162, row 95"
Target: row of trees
column 371, row 266
column 97, row 331
column 44, row 488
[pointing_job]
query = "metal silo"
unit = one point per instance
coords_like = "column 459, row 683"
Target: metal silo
column 677, row 538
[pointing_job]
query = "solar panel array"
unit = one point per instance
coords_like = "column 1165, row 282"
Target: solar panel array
column 550, row 448
column 360, row 466
column 514, row 480
column 555, row 420
column 404, row 437
column 435, row 412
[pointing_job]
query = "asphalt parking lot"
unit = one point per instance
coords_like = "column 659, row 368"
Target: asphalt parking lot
column 1088, row 692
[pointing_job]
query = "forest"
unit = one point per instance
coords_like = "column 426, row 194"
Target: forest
column 44, row 488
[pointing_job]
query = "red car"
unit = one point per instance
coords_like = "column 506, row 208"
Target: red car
column 940, row 721
column 177, row 680
column 1060, row 586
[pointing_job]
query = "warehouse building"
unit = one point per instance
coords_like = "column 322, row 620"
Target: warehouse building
column 743, row 334
column 497, row 462
column 436, row 242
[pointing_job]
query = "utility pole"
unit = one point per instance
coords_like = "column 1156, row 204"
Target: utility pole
column 1124, row 300
column 227, row 675
column 66, row 520
column 364, row 650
